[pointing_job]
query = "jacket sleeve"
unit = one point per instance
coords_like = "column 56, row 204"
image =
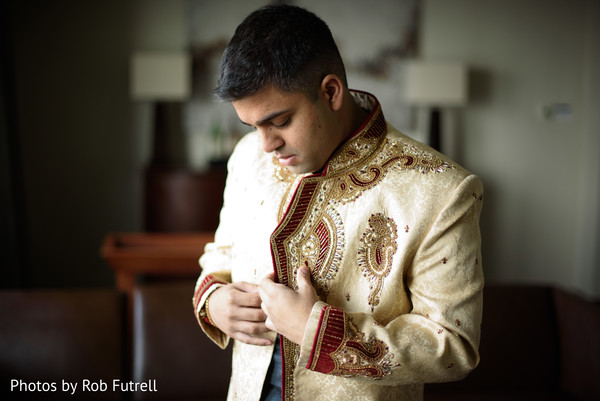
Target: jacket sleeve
column 216, row 259
column 439, row 339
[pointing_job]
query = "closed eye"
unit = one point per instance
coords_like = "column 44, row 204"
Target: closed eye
column 284, row 124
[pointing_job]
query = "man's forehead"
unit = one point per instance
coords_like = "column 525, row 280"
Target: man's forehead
column 266, row 105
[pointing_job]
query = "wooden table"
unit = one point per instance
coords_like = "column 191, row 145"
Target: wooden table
column 153, row 255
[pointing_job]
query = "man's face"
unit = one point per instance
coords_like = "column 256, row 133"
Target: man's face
column 302, row 134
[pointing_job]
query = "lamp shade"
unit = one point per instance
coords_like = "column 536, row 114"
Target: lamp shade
column 160, row 75
column 436, row 84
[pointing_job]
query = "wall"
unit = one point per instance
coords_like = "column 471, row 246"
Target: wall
column 156, row 26
column 79, row 175
column 587, row 264
column 10, row 241
column 540, row 220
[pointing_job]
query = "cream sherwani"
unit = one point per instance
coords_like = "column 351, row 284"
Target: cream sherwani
column 390, row 232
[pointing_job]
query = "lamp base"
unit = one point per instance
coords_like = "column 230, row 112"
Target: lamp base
column 435, row 128
column 168, row 146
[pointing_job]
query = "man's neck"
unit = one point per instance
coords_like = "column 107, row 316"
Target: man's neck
column 354, row 116
column 360, row 115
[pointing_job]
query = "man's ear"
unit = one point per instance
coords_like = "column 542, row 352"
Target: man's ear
column 332, row 88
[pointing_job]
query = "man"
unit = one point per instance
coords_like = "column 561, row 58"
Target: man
column 347, row 260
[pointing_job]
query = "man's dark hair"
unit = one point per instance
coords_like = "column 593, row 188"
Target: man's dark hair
column 284, row 46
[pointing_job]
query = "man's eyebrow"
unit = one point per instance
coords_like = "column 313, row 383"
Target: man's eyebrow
column 266, row 119
column 245, row 123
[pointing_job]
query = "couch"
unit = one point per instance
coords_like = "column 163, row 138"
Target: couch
column 51, row 338
column 538, row 343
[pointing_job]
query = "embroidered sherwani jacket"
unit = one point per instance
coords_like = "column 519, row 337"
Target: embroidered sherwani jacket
column 390, row 232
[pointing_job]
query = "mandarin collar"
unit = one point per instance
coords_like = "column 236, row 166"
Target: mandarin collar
column 364, row 142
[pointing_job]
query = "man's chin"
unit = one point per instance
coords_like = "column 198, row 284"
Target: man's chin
column 297, row 169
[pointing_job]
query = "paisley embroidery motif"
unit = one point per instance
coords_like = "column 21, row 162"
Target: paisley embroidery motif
column 362, row 357
column 342, row 350
column 347, row 188
column 320, row 248
column 376, row 253
column 411, row 158
column 349, row 183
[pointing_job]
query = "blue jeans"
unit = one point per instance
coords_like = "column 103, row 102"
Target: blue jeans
column 272, row 387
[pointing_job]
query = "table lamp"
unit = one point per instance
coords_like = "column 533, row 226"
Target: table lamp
column 163, row 78
column 436, row 85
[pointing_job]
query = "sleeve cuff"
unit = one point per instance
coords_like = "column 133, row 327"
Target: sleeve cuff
column 327, row 338
column 206, row 287
column 202, row 291
column 338, row 348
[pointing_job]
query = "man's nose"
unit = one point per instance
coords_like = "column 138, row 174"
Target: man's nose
column 270, row 139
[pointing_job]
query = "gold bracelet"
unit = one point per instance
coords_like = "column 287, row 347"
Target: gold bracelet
column 207, row 317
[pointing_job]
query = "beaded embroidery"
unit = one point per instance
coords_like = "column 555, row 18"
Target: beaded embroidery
column 376, row 253
column 342, row 350
column 320, row 249
column 362, row 357
column 352, row 181
column 292, row 354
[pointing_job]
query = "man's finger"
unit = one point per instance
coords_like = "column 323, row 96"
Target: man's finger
column 303, row 278
column 270, row 324
column 248, row 339
column 244, row 314
column 267, row 285
column 246, row 287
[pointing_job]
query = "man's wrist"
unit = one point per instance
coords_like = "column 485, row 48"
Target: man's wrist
column 310, row 331
column 205, row 313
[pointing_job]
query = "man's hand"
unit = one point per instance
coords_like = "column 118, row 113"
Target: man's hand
column 288, row 310
column 235, row 310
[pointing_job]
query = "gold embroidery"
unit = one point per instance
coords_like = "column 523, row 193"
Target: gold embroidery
column 287, row 196
column 281, row 173
column 376, row 253
column 351, row 181
column 359, row 356
column 291, row 354
column 356, row 150
column 361, row 146
column 289, row 181
column 319, row 247
column 347, row 188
